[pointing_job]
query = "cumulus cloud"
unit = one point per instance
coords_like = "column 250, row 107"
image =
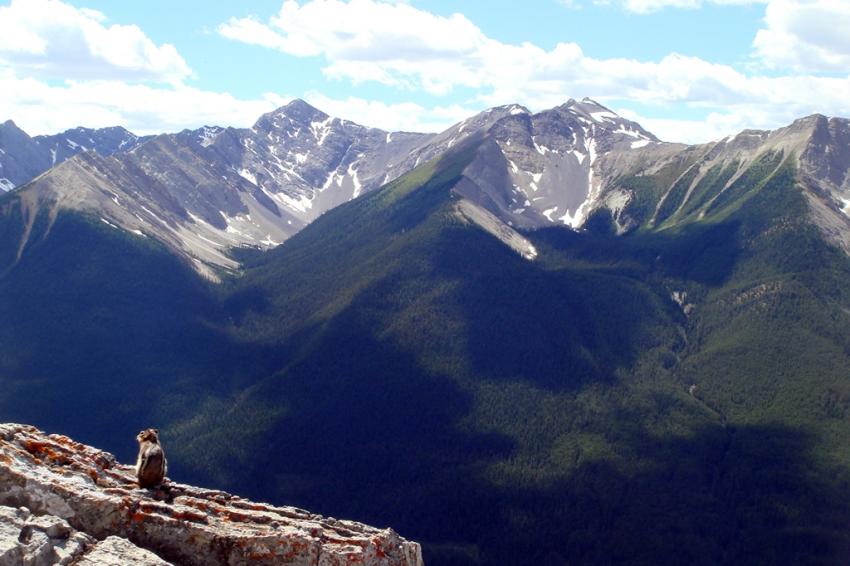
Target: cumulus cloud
column 41, row 108
column 52, row 39
column 650, row 6
column 115, row 74
column 62, row 67
column 364, row 40
column 404, row 116
column 806, row 35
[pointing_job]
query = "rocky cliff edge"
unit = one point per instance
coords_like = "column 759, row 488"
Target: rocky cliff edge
column 62, row 502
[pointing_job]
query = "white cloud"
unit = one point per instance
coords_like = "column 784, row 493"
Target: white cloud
column 405, row 116
column 408, row 48
column 51, row 39
column 107, row 75
column 365, row 40
column 650, row 6
column 806, row 35
column 571, row 4
column 40, row 108
column 113, row 73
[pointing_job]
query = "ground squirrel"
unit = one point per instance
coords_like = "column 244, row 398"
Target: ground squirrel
column 151, row 466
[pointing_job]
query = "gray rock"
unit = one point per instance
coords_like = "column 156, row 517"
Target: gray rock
column 116, row 551
column 74, row 494
column 203, row 192
column 44, row 540
column 23, row 158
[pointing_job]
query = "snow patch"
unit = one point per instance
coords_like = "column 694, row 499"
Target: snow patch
column 248, row 176
column 301, row 204
column 6, row 185
column 640, row 143
column 549, row 212
column 352, row 172
column 603, row 115
column 269, row 242
column 105, row 221
column 232, row 221
column 321, row 130
column 195, row 219
column 152, row 213
column 207, row 135
column 629, row 132
column 539, row 148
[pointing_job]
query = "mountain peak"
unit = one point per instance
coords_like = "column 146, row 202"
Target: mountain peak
column 299, row 109
column 299, row 105
column 11, row 127
column 588, row 100
column 296, row 111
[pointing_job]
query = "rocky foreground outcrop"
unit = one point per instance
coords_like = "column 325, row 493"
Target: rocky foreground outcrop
column 62, row 502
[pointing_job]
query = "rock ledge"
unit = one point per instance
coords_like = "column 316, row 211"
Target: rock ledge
column 58, row 498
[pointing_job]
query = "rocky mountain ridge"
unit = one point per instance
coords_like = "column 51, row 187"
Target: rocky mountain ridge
column 663, row 186
column 22, row 158
column 205, row 192
column 62, row 502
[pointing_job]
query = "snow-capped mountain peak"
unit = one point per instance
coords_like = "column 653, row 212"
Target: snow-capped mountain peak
column 549, row 160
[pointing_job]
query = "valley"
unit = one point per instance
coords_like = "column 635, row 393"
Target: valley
column 655, row 350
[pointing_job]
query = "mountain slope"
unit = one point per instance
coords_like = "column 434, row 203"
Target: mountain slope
column 565, row 398
column 563, row 409
column 206, row 192
column 656, row 188
column 23, row 158
column 402, row 345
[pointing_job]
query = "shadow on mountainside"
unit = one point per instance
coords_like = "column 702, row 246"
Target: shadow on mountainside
column 735, row 495
column 105, row 333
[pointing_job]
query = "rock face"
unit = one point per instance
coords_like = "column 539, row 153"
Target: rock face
column 202, row 192
column 22, row 158
column 58, row 498
column 693, row 182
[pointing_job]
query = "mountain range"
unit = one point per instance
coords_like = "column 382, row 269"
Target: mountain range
column 23, row 158
column 534, row 338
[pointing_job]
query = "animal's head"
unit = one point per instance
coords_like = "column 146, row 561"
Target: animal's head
column 148, row 435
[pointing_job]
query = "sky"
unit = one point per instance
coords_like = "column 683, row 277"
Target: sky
column 687, row 70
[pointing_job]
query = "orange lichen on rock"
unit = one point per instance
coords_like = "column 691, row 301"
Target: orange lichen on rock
column 188, row 525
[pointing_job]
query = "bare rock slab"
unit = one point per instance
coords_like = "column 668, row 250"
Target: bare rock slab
column 79, row 490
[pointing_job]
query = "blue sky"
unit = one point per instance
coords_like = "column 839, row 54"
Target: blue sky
column 689, row 70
